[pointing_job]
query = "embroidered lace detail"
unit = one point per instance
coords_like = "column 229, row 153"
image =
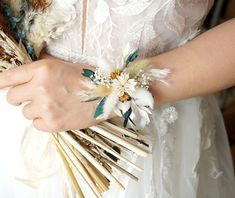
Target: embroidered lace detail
column 132, row 7
column 208, row 125
column 101, row 12
column 67, row 15
column 167, row 117
column 173, row 20
column 206, row 132
column 73, row 57
column 207, row 153
column 214, row 172
column 152, row 26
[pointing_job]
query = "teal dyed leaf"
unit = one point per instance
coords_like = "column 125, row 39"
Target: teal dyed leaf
column 126, row 116
column 132, row 56
column 92, row 99
column 88, row 73
column 100, row 108
column 111, row 156
column 117, row 149
column 125, row 123
column 127, row 113
column 132, row 121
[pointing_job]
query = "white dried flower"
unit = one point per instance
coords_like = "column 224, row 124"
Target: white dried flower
column 170, row 114
column 123, row 84
column 100, row 78
column 143, row 80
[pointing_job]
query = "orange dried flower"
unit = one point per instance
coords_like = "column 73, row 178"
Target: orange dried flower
column 39, row 4
column 115, row 74
column 124, row 97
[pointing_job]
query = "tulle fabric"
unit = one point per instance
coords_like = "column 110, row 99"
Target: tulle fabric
column 191, row 159
column 190, row 153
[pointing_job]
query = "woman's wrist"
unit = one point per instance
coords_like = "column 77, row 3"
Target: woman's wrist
column 124, row 91
column 179, row 78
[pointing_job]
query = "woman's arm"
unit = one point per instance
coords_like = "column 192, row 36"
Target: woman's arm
column 204, row 65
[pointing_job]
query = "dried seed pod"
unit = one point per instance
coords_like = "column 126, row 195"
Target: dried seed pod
column 40, row 4
column 4, row 25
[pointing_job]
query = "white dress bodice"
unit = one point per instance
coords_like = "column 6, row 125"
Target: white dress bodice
column 110, row 29
column 190, row 157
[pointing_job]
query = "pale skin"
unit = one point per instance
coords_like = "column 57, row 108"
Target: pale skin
column 49, row 87
column 204, row 65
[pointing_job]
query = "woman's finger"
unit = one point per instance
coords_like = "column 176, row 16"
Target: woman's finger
column 40, row 124
column 46, row 56
column 16, row 76
column 31, row 111
column 19, row 94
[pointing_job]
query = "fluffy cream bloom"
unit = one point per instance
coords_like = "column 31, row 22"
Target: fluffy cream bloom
column 123, row 84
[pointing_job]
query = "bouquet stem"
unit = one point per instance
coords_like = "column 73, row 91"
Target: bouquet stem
column 92, row 140
column 67, row 166
column 90, row 158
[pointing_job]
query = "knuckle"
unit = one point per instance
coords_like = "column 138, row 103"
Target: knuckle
column 8, row 76
column 48, row 125
column 50, row 112
column 44, row 89
column 42, row 125
column 45, row 68
column 48, row 106
column 51, row 115
column 10, row 97
column 27, row 70
column 44, row 86
column 39, row 126
column 26, row 112
column 56, row 125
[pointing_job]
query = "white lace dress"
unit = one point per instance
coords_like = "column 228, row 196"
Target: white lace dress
column 190, row 155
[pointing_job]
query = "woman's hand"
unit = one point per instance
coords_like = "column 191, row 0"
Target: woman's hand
column 50, row 86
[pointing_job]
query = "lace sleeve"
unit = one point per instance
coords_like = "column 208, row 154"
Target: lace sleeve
column 180, row 21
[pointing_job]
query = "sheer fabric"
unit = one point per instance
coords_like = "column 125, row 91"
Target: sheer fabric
column 190, row 150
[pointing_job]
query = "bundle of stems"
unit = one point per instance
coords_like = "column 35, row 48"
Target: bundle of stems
column 90, row 155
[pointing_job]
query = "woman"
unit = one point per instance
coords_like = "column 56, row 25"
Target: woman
column 190, row 156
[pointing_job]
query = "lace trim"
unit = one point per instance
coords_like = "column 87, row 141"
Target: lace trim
column 84, row 21
column 173, row 20
column 73, row 56
column 101, row 12
column 207, row 143
column 166, row 117
column 126, row 8
column 143, row 32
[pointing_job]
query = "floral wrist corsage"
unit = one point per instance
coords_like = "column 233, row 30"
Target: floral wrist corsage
column 124, row 90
